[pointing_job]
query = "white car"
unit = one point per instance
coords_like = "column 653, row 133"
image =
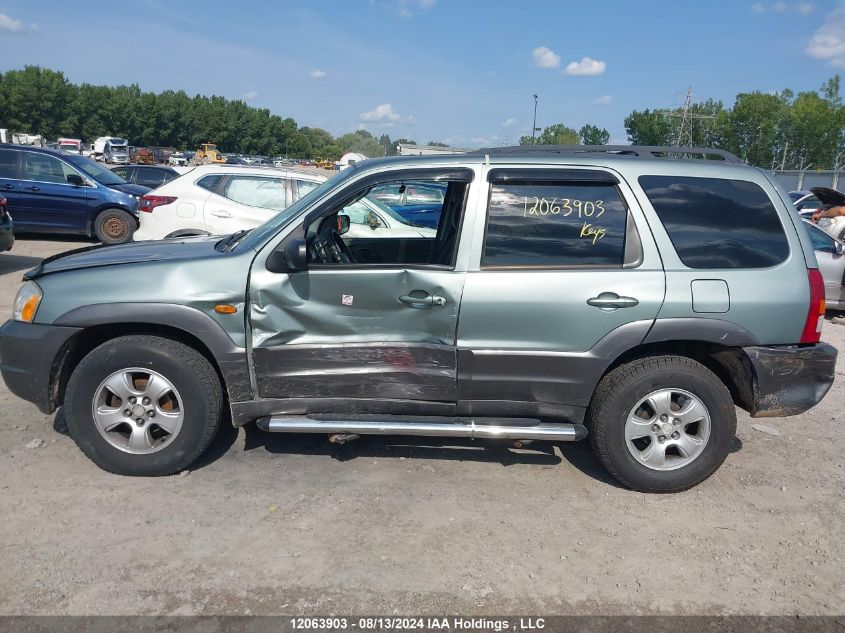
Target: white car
column 830, row 255
column 223, row 199
column 220, row 199
column 177, row 159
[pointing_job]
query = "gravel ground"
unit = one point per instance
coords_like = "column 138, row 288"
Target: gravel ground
column 292, row 524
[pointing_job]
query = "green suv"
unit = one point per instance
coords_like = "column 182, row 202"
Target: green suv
column 632, row 294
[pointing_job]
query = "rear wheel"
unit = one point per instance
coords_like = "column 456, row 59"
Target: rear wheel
column 114, row 226
column 143, row 405
column 662, row 424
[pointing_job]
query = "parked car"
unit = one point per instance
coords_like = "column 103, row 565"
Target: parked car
column 54, row 192
column 419, row 203
column 830, row 254
column 7, row 228
column 177, row 159
column 220, row 199
column 618, row 293
column 116, row 151
column 150, row 176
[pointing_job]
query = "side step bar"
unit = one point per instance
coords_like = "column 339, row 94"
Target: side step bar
column 505, row 428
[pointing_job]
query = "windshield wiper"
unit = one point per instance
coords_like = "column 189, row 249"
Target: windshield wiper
column 228, row 243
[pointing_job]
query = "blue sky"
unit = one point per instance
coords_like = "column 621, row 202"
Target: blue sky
column 458, row 71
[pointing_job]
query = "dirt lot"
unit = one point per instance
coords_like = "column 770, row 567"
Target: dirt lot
column 268, row 524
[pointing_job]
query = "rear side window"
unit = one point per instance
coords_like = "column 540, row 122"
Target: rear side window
column 555, row 224
column 8, row 163
column 718, row 223
column 209, row 182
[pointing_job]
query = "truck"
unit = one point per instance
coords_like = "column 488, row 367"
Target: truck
column 116, row 151
column 72, row 145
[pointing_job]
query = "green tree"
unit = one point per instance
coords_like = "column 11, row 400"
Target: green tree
column 593, row 135
column 557, row 134
column 648, row 127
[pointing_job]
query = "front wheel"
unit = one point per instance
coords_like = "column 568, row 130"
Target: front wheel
column 662, row 424
column 143, row 405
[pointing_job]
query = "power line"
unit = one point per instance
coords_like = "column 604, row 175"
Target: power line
column 683, row 131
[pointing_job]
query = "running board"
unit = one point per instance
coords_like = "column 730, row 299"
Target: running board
column 505, row 428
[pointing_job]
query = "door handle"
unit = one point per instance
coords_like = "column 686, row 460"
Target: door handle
column 423, row 302
column 32, row 188
column 610, row 301
column 221, row 214
column 7, row 187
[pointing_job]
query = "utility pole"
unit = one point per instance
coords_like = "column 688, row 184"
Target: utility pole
column 683, row 132
column 534, row 125
column 783, row 160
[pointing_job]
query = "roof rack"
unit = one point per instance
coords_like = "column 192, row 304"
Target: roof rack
column 634, row 151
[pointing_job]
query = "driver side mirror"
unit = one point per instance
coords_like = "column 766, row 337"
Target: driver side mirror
column 76, row 180
column 838, row 248
column 292, row 257
column 343, row 223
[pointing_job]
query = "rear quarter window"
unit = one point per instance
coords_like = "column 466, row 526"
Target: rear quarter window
column 718, row 223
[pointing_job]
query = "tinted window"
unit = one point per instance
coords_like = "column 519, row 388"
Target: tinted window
column 123, row 172
column 8, row 163
column 555, row 224
column 150, row 177
column 718, row 223
column 45, row 168
column 209, row 182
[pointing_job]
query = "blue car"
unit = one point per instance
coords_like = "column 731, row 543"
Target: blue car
column 54, row 192
column 418, row 203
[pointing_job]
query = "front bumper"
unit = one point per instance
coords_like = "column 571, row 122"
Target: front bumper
column 30, row 360
column 790, row 379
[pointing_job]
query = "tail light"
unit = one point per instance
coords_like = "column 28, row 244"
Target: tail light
column 815, row 315
column 148, row 203
column 3, row 209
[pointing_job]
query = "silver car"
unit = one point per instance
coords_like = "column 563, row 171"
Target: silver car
column 830, row 254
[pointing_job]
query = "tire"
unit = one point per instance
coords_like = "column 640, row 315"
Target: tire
column 196, row 392
column 615, row 417
column 114, row 226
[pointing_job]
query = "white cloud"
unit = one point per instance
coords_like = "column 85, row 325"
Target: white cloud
column 317, row 74
column 587, row 66
column 10, row 25
column 805, row 8
column 406, row 8
column 828, row 42
column 758, row 7
column 545, row 57
column 249, row 96
column 510, row 122
column 603, row 100
column 780, row 7
column 380, row 114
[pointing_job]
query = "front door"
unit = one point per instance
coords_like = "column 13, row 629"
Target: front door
column 352, row 329
column 47, row 200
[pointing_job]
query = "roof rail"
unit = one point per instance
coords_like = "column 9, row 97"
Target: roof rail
column 634, row 151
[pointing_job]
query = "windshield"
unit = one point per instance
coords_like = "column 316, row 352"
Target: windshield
column 96, row 171
column 260, row 234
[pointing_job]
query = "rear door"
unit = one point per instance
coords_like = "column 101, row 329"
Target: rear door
column 10, row 184
column 566, row 278
column 47, row 200
column 244, row 201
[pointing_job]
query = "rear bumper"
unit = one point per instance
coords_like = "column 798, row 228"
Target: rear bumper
column 790, row 379
column 30, row 358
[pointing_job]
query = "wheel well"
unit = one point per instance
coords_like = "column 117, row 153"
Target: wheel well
column 89, row 338
column 730, row 364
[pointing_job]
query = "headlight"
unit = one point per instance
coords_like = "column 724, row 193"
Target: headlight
column 26, row 302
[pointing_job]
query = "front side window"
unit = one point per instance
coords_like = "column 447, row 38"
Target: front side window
column 718, row 223
column 8, row 163
column 45, row 168
column 821, row 241
column 257, row 191
column 555, row 224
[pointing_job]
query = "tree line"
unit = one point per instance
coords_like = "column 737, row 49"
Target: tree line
column 765, row 129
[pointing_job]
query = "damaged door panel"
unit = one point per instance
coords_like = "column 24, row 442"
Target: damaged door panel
column 357, row 333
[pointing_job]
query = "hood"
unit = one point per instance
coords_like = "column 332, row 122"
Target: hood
column 131, row 189
column 829, row 197
column 175, row 249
